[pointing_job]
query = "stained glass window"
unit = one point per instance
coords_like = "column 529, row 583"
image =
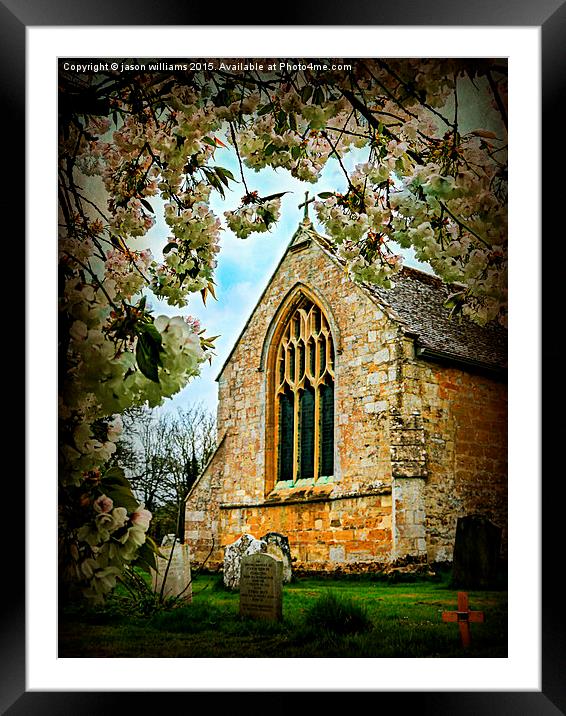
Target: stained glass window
column 304, row 395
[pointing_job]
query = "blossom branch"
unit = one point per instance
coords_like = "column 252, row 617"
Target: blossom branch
column 235, row 143
column 463, row 224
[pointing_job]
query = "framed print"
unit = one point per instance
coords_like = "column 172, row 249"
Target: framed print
column 37, row 34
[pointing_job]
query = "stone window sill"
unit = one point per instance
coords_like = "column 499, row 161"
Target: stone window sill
column 302, row 490
column 305, row 482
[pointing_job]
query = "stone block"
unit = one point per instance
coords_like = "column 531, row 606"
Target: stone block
column 408, row 469
column 403, row 453
column 381, row 356
column 336, row 553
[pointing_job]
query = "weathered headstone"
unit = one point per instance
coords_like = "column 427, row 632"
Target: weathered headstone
column 233, row 555
column 261, row 581
column 476, row 553
column 169, row 539
column 176, row 572
column 277, row 545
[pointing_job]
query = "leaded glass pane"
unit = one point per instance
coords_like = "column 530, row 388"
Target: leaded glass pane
column 327, row 429
column 307, row 432
column 286, row 414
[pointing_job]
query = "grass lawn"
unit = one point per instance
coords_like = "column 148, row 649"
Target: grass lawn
column 400, row 620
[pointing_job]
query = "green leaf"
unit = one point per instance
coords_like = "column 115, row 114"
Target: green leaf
column 455, row 301
column 122, row 497
column 222, row 98
column 326, row 194
column 213, row 179
column 170, row 246
column 265, row 109
column 146, row 556
column 306, row 93
column 208, row 140
column 296, row 152
column 222, row 178
column 273, row 196
column 218, row 186
column 318, row 96
column 267, row 217
column 226, row 172
column 148, row 351
column 147, row 205
column 151, row 330
column 115, row 476
column 144, row 361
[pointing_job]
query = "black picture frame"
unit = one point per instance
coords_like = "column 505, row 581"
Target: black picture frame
column 550, row 17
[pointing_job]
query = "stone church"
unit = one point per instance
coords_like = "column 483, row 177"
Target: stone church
column 357, row 421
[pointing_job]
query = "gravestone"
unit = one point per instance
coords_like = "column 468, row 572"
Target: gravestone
column 277, row 545
column 177, row 573
column 476, row 553
column 261, row 579
column 169, row 539
column 233, row 555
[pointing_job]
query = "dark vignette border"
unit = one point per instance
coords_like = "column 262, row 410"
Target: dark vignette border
column 550, row 16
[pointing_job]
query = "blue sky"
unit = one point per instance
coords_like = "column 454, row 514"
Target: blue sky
column 245, row 265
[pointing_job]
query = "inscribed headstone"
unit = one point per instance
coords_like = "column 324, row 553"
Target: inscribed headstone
column 175, row 569
column 476, row 553
column 261, row 587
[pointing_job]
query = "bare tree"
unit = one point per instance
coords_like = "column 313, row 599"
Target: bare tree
column 163, row 454
column 193, row 437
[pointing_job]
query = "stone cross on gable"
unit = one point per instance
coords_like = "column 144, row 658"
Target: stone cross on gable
column 306, row 203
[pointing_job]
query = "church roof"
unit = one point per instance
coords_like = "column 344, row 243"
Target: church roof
column 416, row 301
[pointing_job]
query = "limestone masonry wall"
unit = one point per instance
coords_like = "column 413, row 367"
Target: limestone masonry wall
column 413, row 449
column 465, row 419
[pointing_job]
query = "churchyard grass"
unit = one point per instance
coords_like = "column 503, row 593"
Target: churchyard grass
column 401, row 619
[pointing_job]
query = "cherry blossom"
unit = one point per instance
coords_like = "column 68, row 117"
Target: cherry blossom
column 431, row 182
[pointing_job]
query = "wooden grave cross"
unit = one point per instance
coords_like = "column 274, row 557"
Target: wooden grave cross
column 464, row 616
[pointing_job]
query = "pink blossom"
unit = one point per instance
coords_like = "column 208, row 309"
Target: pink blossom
column 103, row 504
column 193, row 323
column 142, row 518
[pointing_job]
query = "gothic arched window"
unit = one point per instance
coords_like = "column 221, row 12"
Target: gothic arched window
column 303, row 397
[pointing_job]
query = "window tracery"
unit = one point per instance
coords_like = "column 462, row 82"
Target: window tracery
column 304, row 397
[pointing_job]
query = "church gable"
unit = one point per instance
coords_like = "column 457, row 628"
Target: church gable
column 343, row 426
column 361, row 338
